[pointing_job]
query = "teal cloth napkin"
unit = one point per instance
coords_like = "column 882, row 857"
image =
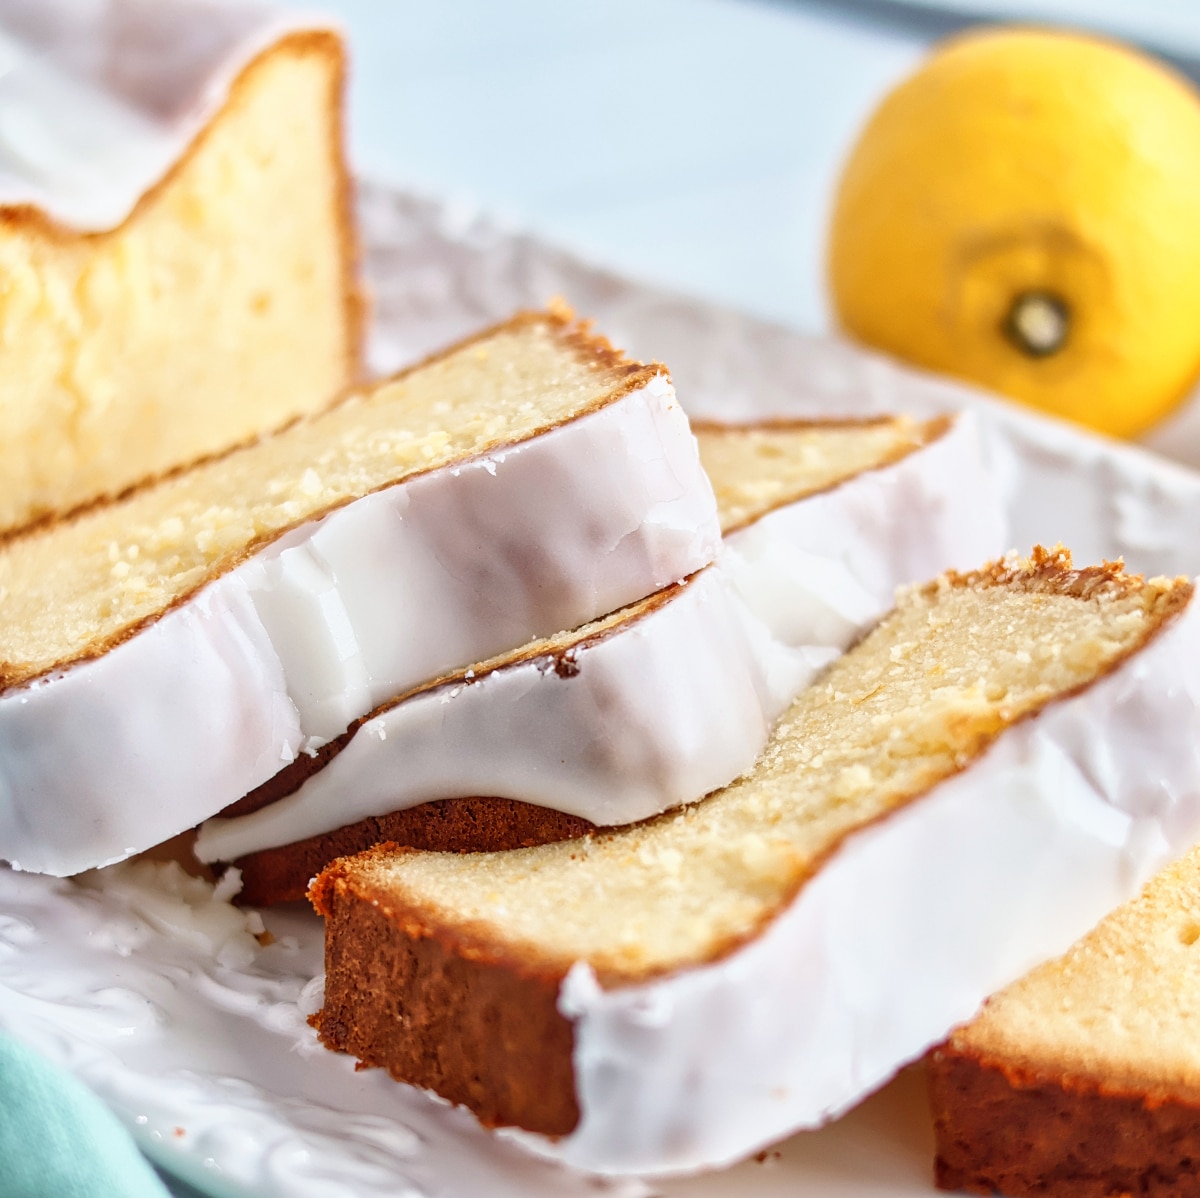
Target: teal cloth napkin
column 58, row 1140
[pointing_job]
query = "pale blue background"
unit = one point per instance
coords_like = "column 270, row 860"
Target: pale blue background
column 693, row 143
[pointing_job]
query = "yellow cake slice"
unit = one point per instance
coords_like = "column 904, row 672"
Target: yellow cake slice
column 176, row 241
column 165, row 654
column 926, row 817
column 1083, row 1077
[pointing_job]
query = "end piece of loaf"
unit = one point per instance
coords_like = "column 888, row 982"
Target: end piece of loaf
column 674, row 995
column 1083, row 1078
column 163, row 655
column 223, row 305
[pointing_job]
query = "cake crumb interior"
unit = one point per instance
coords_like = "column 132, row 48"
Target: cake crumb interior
column 77, row 585
column 218, row 310
column 913, row 703
column 1121, row 1007
column 757, row 468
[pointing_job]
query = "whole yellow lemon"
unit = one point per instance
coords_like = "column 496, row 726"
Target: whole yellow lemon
column 1024, row 212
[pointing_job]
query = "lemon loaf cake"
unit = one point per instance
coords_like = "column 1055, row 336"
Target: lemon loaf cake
column 163, row 655
column 176, row 239
column 1083, row 1078
column 934, row 814
column 656, row 705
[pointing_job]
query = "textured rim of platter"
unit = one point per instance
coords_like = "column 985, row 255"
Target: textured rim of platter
column 197, row 1038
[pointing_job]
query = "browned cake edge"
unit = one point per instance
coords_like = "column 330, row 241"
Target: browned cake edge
column 927, row 433
column 1016, row 1131
column 36, row 222
column 576, row 334
column 468, row 825
column 447, row 1007
column 449, row 1014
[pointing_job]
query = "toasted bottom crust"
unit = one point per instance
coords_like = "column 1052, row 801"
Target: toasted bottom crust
column 436, row 1016
column 1001, row 1130
column 471, row 825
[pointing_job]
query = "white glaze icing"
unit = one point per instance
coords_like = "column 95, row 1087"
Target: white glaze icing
column 155, row 993
column 817, row 573
column 659, row 713
column 99, row 98
column 274, row 657
column 908, row 927
column 678, row 703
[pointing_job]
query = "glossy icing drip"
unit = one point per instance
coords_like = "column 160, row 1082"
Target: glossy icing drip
column 270, row 660
column 678, row 703
column 658, row 713
column 902, row 933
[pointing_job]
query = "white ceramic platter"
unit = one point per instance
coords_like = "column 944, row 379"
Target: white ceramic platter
column 159, row 997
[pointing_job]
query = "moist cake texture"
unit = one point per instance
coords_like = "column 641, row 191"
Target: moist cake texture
column 759, row 467
column 77, row 587
column 463, row 973
column 1083, row 1078
column 919, row 698
column 223, row 306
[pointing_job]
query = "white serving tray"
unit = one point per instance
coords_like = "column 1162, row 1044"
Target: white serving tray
column 197, row 1038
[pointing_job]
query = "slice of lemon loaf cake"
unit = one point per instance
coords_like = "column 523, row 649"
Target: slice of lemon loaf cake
column 1083, row 1078
column 661, row 703
column 163, row 655
column 176, row 240
column 933, row 814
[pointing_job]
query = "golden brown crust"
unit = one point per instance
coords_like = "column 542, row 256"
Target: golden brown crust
column 588, row 346
column 400, row 997
column 479, row 824
column 1021, row 1132
column 1053, row 572
column 929, row 432
column 291, row 777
